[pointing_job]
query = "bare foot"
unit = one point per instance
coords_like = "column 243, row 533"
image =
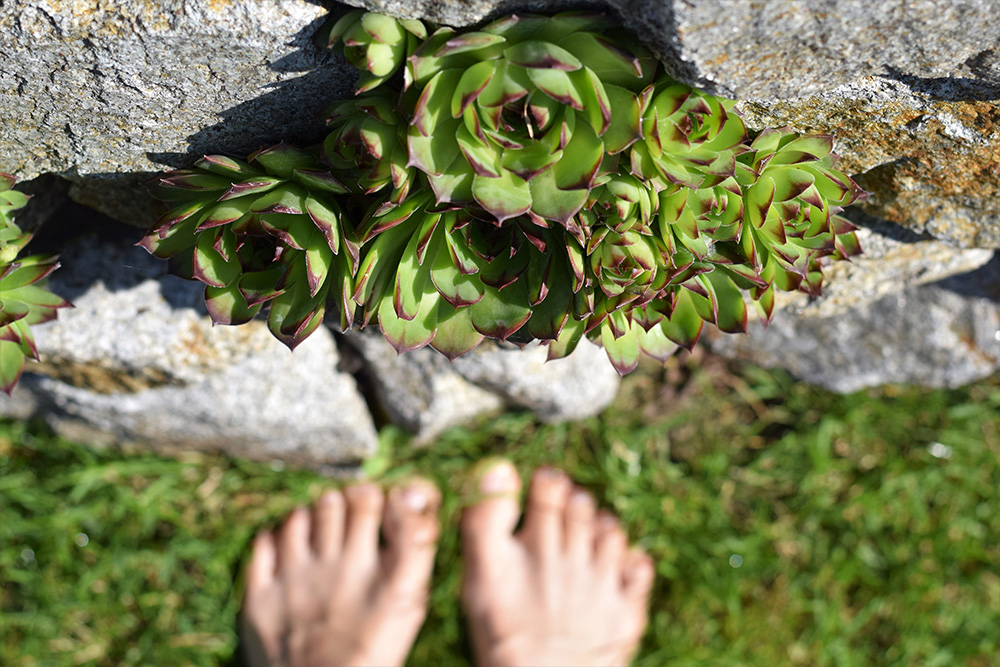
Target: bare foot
column 566, row 590
column 322, row 591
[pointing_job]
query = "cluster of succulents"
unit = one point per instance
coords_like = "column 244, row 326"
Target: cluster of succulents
column 24, row 300
column 538, row 178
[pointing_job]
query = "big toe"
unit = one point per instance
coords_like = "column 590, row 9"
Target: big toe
column 488, row 524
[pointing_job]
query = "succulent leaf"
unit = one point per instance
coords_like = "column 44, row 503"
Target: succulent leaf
column 24, row 299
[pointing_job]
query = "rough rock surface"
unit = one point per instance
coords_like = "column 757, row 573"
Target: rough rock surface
column 894, row 257
column 778, row 48
column 575, row 387
column 118, row 90
column 426, row 393
column 138, row 361
column 419, row 390
column 943, row 334
column 927, row 151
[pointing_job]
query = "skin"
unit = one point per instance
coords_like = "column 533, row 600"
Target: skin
column 564, row 590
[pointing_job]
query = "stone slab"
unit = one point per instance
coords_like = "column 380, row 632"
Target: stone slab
column 779, row 48
column 424, row 392
column 108, row 91
column 945, row 334
column 138, row 361
column 928, row 152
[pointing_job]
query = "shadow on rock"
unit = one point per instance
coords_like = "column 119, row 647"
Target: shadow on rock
column 955, row 89
column 288, row 112
column 983, row 283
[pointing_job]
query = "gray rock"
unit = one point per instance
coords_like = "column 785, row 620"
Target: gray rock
column 427, row 394
column 945, row 334
column 894, row 259
column 779, row 48
column 926, row 151
column 578, row 386
column 419, row 390
column 107, row 92
column 137, row 361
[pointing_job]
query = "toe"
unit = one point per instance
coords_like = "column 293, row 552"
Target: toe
column 328, row 525
column 487, row 525
column 610, row 544
column 293, row 541
column 364, row 515
column 637, row 575
column 260, row 573
column 411, row 531
column 580, row 512
column 545, row 513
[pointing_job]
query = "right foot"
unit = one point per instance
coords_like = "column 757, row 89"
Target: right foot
column 565, row 590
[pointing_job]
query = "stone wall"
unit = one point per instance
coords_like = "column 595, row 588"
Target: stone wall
column 96, row 97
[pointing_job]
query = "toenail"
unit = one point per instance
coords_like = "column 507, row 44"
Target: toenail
column 550, row 473
column 581, row 499
column 362, row 490
column 329, row 499
column 501, row 478
column 415, row 498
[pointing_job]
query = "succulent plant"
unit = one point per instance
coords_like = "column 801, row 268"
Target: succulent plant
column 12, row 239
column 368, row 146
column 374, row 43
column 537, row 178
column 792, row 196
column 517, row 117
column 264, row 231
column 24, row 300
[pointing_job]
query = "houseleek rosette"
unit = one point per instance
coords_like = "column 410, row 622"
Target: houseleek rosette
column 267, row 231
column 442, row 276
column 537, row 178
column 517, row 117
column 368, row 146
column 24, row 299
column 374, row 43
column 792, row 195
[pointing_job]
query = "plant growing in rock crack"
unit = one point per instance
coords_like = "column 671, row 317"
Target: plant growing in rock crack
column 24, row 300
column 539, row 178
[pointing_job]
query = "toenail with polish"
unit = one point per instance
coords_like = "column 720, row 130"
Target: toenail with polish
column 415, row 498
column 501, row 478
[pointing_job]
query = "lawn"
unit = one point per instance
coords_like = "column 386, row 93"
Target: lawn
column 789, row 526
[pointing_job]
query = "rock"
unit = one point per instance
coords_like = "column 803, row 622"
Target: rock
column 945, row 334
column 779, row 48
column 927, row 151
column 106, row 94
column 419, row 390
column 894, row 258
column 138, row 361
column 426, row 394
column 575, row 387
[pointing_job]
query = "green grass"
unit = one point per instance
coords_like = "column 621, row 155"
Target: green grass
column 855, row 544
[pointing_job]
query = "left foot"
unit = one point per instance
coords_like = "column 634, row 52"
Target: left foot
column 323, row 592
